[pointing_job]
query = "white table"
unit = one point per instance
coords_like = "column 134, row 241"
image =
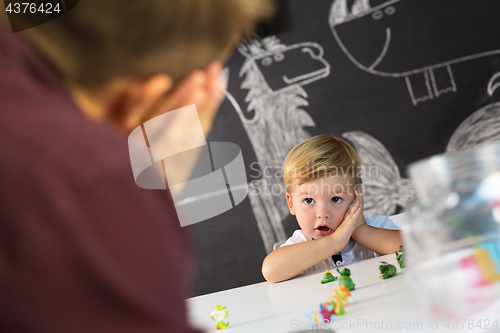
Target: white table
column 375, row 305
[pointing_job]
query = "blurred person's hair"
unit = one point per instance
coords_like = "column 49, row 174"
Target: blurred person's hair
column 101, row 40
column 321, row 156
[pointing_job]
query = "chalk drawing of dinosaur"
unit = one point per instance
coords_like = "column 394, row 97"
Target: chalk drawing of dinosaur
column 481, row 127
column 493, row 84
column 383, row 185
column 274, row 121
column 390, row 39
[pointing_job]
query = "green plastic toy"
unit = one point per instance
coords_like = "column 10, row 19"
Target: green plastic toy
column 217, row 315
column 400, row 256
column 328, row 277
column 386, row 270
column 345, row 279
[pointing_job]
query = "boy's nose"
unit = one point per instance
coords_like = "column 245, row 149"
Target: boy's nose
column 322, row 213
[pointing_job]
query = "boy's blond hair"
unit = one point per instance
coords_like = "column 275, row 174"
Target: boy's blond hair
column 320, row 156
column 101, row 40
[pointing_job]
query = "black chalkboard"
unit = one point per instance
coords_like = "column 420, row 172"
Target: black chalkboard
column 401, row 80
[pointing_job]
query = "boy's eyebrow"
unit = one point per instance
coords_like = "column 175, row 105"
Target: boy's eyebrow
column 302, row 191
column 333, row 192
column 340, row 192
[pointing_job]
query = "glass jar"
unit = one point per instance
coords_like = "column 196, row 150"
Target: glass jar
column 452, row 234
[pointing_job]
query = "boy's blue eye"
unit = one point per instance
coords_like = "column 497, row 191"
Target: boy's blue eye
column 308, row 201
column 336, row 200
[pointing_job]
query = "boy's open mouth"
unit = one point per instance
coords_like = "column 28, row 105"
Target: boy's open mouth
column 324, row 230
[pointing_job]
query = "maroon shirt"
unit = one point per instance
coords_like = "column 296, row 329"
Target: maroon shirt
column 82, row 247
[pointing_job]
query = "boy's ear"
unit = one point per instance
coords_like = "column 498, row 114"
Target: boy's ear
column 289, row 202
column 359, row 189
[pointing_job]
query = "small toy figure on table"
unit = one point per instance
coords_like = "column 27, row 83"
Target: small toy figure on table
column 345, row 279
column 329, row 311
column 339, row 299
column 218, row 315
column 400, row 256
column 326, row 314
column 328, row 277
column 386, row 270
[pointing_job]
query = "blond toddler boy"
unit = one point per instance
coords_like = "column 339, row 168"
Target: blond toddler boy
column 324, row 192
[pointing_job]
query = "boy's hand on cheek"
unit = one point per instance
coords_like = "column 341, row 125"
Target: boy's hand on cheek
column 346, row 228
column 359, row 195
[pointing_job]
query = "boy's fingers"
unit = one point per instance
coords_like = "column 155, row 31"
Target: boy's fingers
column 359, row 194
column 349, row 210
column 352, row 209
column 351, row 221
column 352, row 203
column 358, row 211
column 355, row 202
column 356, row 205
column 355, row 213
column 354, row 218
